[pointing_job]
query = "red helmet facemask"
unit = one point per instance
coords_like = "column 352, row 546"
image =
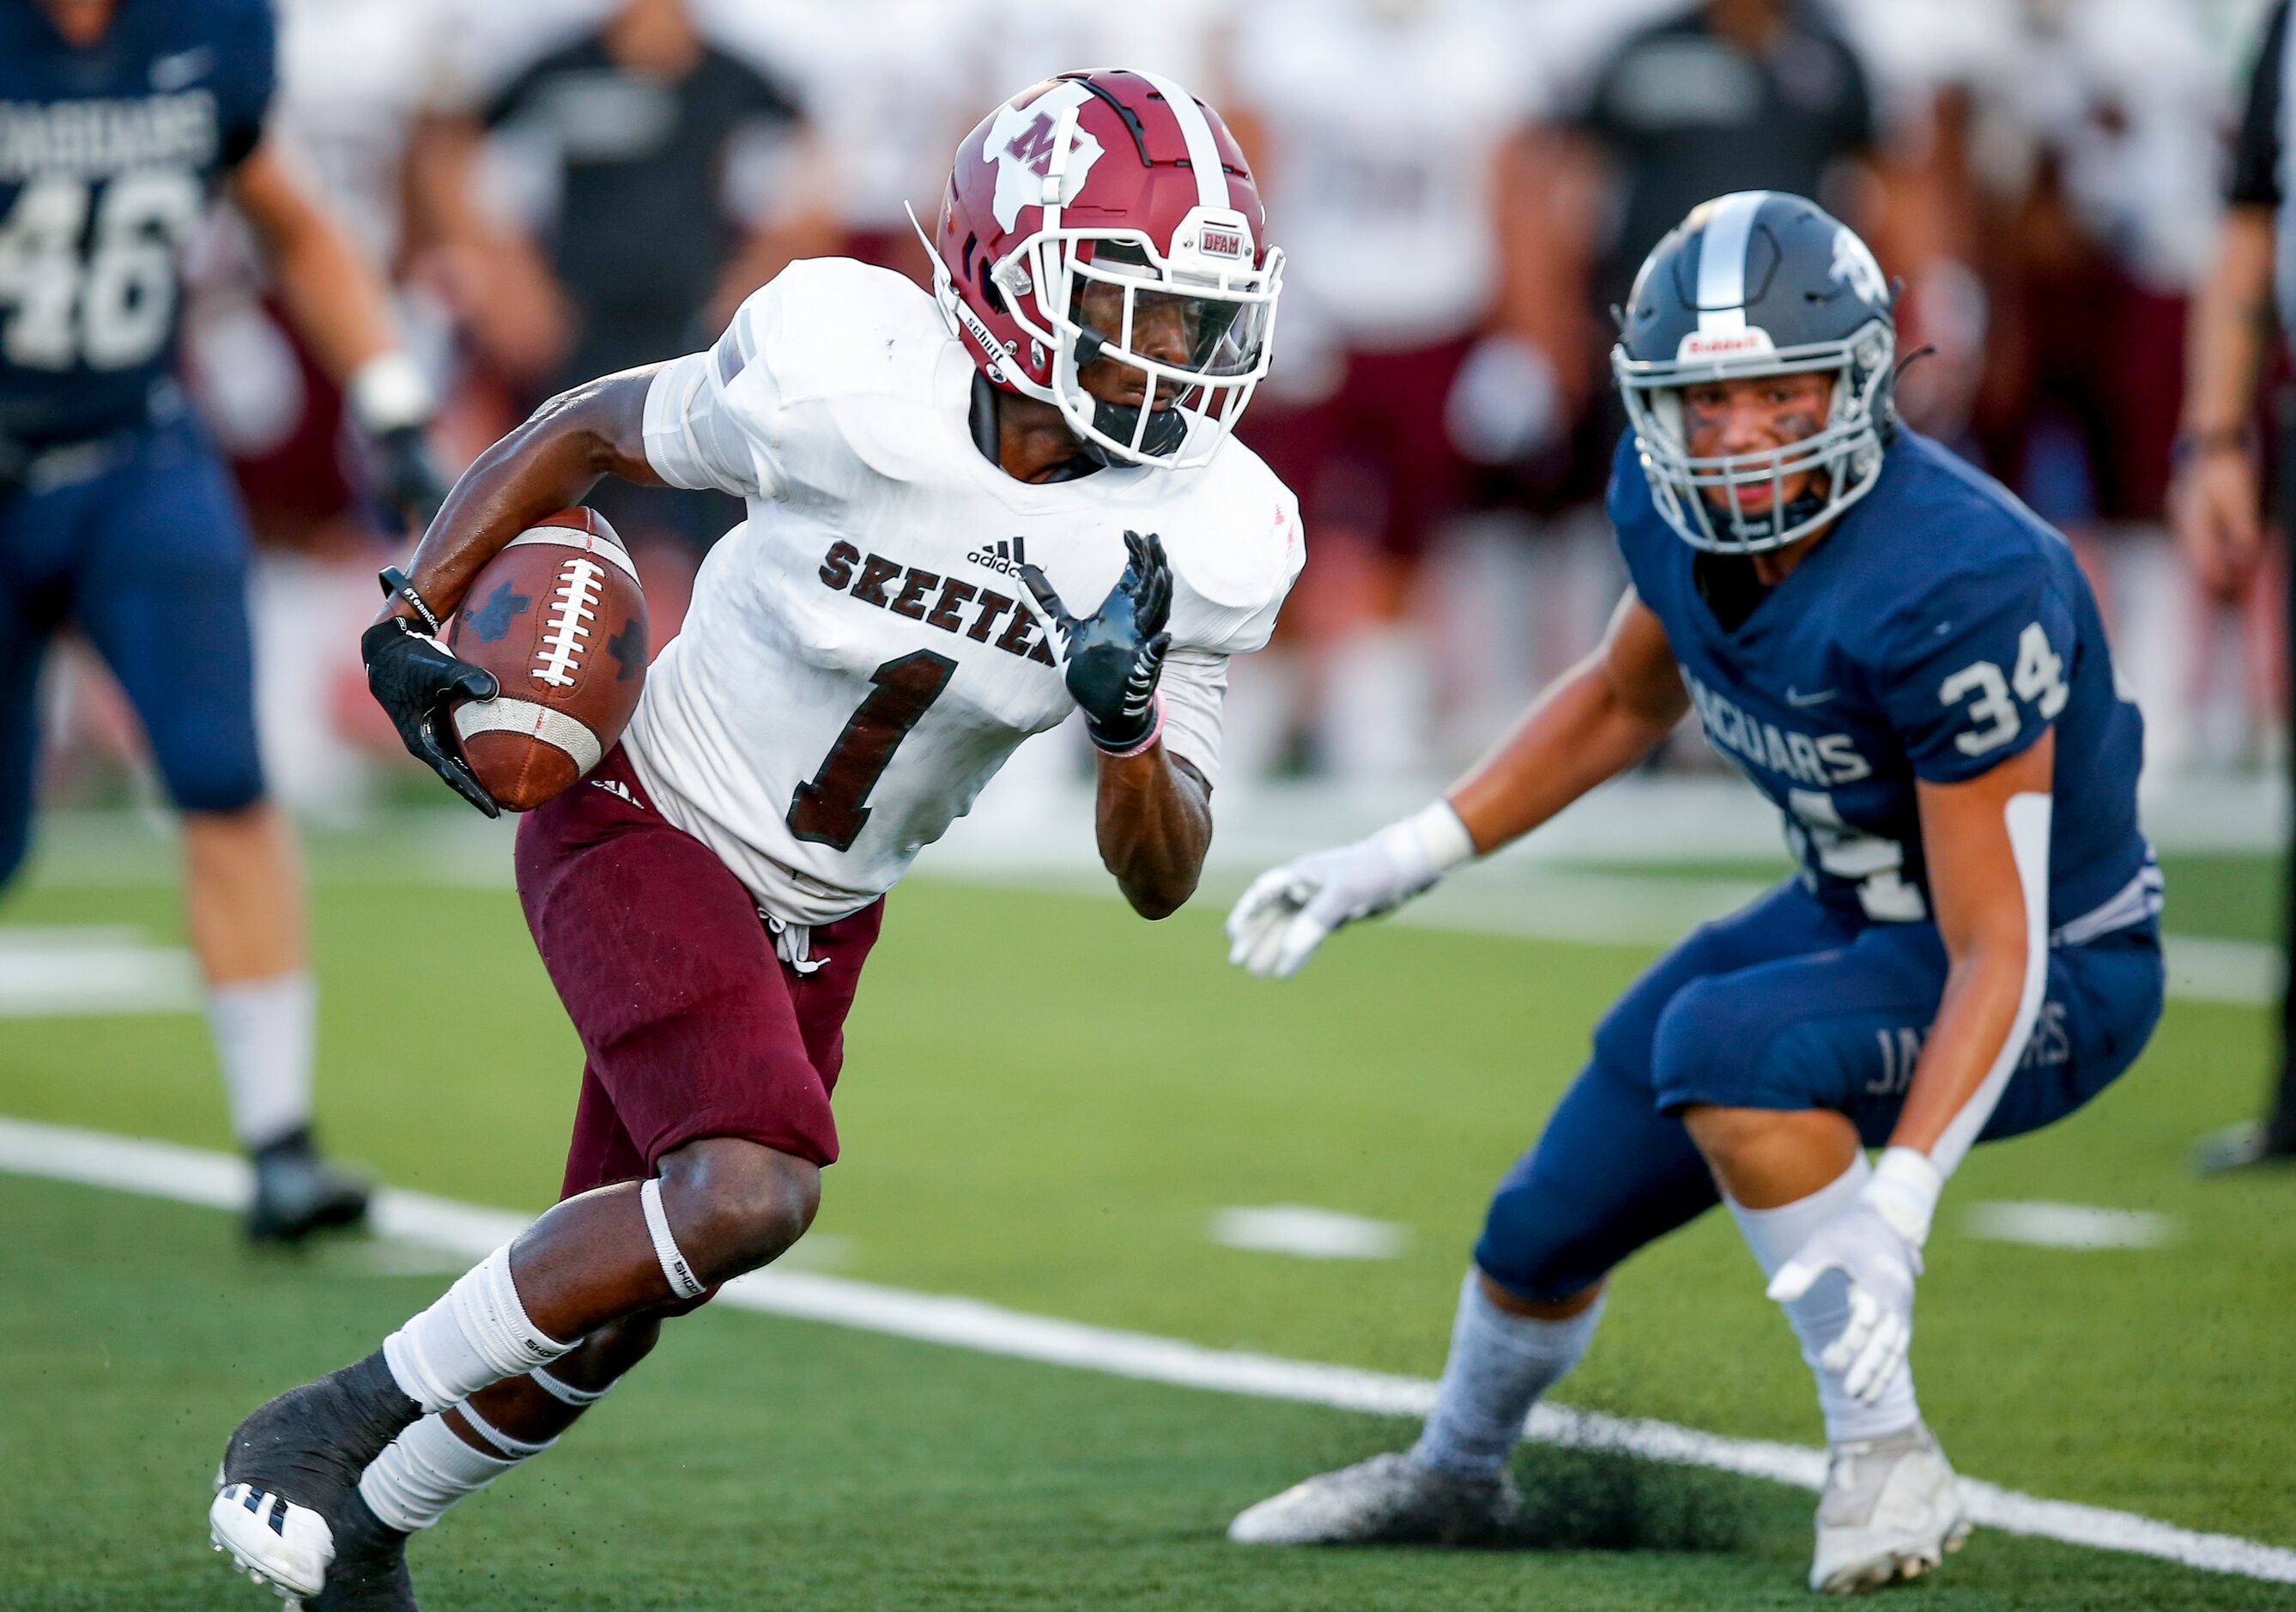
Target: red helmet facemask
column 1108, row 217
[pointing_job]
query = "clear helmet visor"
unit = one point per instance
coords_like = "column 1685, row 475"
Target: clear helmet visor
column 1179, row 347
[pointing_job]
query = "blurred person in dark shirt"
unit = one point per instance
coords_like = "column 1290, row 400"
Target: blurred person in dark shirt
column 2216, row 500
column 628, row 189
column 1732, row 95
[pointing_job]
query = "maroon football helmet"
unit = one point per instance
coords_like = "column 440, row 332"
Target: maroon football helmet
column 1123, row 180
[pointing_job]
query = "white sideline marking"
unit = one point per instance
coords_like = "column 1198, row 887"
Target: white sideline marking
column 2244, row 973
column 215, row 1180
column 94, row 970
column 1306, row 1233
column 2048, row 1225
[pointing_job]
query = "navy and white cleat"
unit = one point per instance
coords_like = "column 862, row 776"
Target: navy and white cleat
column 271, row 1540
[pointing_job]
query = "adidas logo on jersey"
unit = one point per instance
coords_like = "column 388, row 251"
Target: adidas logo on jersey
column 1004, row 558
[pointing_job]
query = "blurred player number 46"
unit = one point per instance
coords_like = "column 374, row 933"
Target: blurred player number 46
column 558, row 618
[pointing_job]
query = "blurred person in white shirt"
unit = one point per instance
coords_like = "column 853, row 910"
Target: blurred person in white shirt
column 1385, row 131
column 356, row 79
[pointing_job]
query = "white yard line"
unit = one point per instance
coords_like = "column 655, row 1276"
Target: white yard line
column 2079, row 1226
column 1306, row 1233
column 186, row 1175
column 51, row 971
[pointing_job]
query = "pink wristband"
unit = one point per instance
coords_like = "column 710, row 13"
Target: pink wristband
column 1155, row 732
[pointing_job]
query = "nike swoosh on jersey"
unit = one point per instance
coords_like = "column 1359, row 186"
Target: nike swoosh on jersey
column 183, row 68
column 1819, row 698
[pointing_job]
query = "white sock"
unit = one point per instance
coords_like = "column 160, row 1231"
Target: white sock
column 1498, row 1367
column 426, row 1469
column 476, row 1334
column 1819, row 1316
column 263, row 1031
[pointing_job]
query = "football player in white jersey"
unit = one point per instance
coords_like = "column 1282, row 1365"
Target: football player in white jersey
column 860, row 657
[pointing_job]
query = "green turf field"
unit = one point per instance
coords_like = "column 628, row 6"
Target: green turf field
column 1017, row 1128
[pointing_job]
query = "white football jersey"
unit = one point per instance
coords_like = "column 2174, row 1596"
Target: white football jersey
column 860, row 656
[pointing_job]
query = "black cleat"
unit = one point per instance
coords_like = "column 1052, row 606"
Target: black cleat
column 297, row 1192
column 369, row 1572
column 291, row 1470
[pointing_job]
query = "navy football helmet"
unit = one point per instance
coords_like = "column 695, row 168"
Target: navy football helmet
column 1758, row 282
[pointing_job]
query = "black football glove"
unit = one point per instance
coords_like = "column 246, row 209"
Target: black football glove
column 409, row 472
column 1115, row 655
column 414, row 677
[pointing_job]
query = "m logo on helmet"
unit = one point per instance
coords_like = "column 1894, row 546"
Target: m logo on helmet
column 1854, row 263
column 1019, row 146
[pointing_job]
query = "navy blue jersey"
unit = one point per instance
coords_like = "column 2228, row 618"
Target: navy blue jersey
column 1937, row 629
column 109, row 153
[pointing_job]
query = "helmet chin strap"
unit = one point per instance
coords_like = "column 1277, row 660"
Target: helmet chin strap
column 1806, row 505
column 1167, row 430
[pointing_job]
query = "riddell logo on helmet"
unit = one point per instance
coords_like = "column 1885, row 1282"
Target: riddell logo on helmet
column 1723, row 344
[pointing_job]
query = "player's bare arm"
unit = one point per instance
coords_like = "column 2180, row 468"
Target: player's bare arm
column 1984, row 851
column 1596, row 720
column 2214, row 503
column 340, row 301
column 547, row 464
column 1152, row 813
column 550, row 462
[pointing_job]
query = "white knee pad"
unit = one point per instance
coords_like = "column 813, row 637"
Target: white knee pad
column 682, row 1282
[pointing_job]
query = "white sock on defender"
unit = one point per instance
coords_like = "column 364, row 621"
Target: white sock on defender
column 1775, row 1236
column 1498, row 1367
column 264, row 1032
column 476, row 1334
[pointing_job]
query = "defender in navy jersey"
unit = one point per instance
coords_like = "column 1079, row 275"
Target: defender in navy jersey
column 1910, row 665
column 120, row 120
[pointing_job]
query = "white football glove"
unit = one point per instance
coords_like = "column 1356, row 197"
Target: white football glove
column 1288, row 910
column 1877, row 1244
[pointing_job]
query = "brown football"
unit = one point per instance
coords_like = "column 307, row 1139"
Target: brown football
column 558, row 618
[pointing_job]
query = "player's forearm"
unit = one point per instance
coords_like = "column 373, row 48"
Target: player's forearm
column 337, row 298
column 1579, row 734
column 1975, row 1019
column 548, row 463
column 2230, row 321
column 1154, row 820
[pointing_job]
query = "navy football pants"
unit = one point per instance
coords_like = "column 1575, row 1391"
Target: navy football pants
column 1783, row 1005
column 148, row 558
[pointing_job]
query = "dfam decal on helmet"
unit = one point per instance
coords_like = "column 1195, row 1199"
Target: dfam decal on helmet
column 1125, row 180
column 1758, row 282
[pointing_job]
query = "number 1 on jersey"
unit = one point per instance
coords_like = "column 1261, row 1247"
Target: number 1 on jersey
column 829, row 809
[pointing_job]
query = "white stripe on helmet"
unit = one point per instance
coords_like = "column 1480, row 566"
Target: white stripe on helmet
column 1722, row 261
column 1196, row 129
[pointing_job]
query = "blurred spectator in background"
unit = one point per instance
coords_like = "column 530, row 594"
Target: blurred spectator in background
column 633, row 185
column 1380, row 127
column 355, row 79
column 1463, row 187
column 2098, row 221
column 889, row 88
column 2217, row 498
